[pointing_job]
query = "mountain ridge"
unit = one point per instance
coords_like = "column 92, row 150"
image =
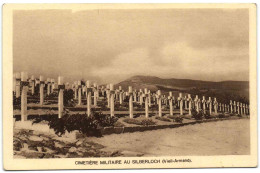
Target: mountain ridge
column 239, row 89
column 143, row 76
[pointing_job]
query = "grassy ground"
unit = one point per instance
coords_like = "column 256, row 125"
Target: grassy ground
column 229, row 137
column 31, row 144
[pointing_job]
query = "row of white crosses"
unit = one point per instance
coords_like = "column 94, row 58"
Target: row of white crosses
column 243, row 108
column 34, row 82
column 22, row 84
column 111, row 95
column 120, row 95
column 80, row 89
column 181, row 100
column 237, row 107
column 132, row 97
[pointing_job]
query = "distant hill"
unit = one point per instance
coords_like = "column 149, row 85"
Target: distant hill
column 236, row 90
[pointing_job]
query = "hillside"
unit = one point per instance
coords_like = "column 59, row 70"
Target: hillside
column 238, row 90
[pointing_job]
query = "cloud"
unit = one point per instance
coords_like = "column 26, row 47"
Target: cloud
column 127, row 64
column 177, row 60
column 207, row 64
column 112, row 45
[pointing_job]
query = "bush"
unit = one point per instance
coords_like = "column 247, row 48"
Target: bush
column 197, row 115
column 144, row 122
column 68, row 98
column 163, row 119
column 104, row 120
column 87, row 125
column 147, row 122
column 178, row 119
column 221, row 116
column 207, row 115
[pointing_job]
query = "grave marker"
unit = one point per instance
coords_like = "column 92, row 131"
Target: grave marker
column 145, row 96
column 24, row 85
column 235, row 107
column 196, row 102
column 88, row 95
column 41, row 90
column 189, row 99
column 210, row 105
column 238, row 111
column 112, row 96
column 120, row 95
column 18, row 85
column 180, row 99
column 170, row 102
column 204, row 104
column 130, row 94
column 141, row 97
column 61, row 88
column 215, row 103
column 108, row 96
column 241, row 108
column 244, row 108
column 185, row 99
column 103, row 91
column 48, row 86
column 159, row 99
column 75, row 90
column 231, row 108
column 95, row 93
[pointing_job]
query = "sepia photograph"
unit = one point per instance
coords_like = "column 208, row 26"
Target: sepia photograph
column 114, row 86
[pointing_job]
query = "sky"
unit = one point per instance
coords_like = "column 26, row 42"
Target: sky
column 111, row 45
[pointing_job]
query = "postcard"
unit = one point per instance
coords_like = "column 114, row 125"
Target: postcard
column 129, row 86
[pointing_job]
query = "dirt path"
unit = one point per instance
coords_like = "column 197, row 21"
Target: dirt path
column 229, row 137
